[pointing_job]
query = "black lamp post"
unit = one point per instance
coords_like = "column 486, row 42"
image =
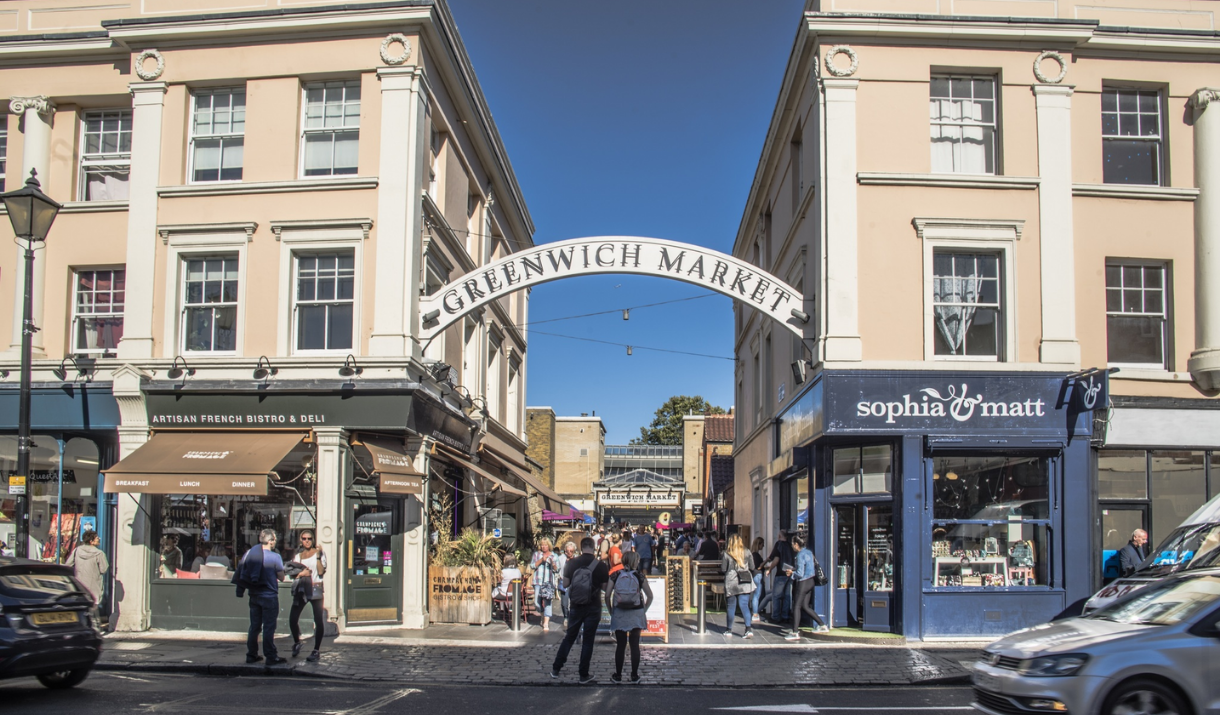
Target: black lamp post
column 31, row 213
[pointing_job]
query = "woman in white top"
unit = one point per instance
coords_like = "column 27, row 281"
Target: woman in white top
column 308, row 590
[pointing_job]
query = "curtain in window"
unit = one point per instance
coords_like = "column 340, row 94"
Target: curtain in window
column 102, row 185
column 961, row 293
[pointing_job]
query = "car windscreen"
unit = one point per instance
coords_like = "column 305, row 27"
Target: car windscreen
column 36, row 584
column 1187, row 547
column 1164, row 603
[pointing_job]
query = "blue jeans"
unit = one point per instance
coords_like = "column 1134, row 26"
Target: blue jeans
column 264, row 610
column 758, row 582
column 781, row 604
column 741, row 601
column 544, row 605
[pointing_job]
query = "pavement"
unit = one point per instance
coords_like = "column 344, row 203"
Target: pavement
column 495, row 655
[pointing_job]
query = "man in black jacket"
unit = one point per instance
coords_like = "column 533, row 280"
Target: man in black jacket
column 709, row 550
column 1133, row 554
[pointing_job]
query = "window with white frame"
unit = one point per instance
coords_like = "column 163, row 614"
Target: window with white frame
column 470, row 354
column 325, row 298
column 436, row 273
column 437, row 144
column 1137, row 314
column 331, row 129
column 966, row 301
column 759, row 386
column 218, row 127
column 97, row 314
column 1131, row 136
column 3, row 148
column 209, row 303
column 963, row 117
column 495, row 364
column 472, row 223
column 513, row 408
column 105, row 158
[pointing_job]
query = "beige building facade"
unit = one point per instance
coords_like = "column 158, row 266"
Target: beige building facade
column 256, row 196
column 980, row 200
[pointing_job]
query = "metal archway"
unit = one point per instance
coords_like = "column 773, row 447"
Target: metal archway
column 614, row 254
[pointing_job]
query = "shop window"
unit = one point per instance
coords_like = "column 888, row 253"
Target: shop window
column 98, row 311
column 963, row 119
column 1132, row 141
column 105, row 157
column 218, row 128
column 1152, row 490
column 1137, row 315
column 331, row 129
column 45, row 491
column 966, row 300
column 1178, row 486
column 1122, row 474
column 210, row 304
column 325, row 301
column 863, row 470
column 991, row 516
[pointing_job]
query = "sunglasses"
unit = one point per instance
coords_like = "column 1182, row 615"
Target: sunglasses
column 306, row 538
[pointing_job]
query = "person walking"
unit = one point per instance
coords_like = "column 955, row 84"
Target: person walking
column 603, row 551
column 644, row 544
column 628, row 597
column 260, row 572
column 308, row 591
column 709, row 549
column 585, row 578
column 561, row 562
column 89, row 564
column 546, row 580
column 738, row 584
column 756, row 564
column 781, row 560
column 1133, row 554
column 802, row 589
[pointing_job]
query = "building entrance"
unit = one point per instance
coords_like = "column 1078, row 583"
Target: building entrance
column 865, row 564
column 374, row 559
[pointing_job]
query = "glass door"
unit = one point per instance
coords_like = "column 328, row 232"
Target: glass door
column 1117, row 525
column 374, row 560
column 879, row 556
column 846, row 606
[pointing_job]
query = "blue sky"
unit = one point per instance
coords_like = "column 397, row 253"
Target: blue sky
column 641, row 118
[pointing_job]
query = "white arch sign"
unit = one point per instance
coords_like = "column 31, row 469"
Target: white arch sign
column 614, row 254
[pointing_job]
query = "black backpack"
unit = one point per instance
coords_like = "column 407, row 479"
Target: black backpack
column 580, row 590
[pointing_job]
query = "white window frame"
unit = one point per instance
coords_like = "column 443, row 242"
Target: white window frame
column 1158, row 140
column 115, row 159
column 327, row 130
column 437, row 270
column 3, row 148
column 1166, row 314
column 512, row 409
column 197, row 241
column 77, row 315
column 495, row 367
column 994, row 124
column 472, row 369
column 295, row 240
column 190, row 153
column 978, row 236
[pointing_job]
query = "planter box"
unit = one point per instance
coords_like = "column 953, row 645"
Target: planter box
column 460, row 594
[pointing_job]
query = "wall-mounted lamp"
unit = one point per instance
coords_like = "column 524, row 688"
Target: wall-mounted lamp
column 800, row 315
column 82, row 368
column 175, row 371
column 800, row 371
column 350, row 367
column 263, row 369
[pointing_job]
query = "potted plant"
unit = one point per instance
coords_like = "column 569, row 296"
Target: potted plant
column 464, row 571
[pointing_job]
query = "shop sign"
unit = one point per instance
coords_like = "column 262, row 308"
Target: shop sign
column 263, row 411
column 981, row 402
column 400, row 484
column 637, row 498
column 1090, row 392
column 49, row 476
column 16, row 485
column 429, row 418
column 375, row 524
column 228, row 484
column 802, row 421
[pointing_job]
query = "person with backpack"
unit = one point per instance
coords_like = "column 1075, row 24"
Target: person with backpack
column 808, row 574
column 628, row 597
column 738, row 584
column 584, row 578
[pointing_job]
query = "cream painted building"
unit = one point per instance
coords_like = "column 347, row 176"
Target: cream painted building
column 256, row 196
column 980, row 199
column 580, row 444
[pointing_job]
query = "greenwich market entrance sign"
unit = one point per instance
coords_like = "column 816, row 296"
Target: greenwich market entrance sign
column 614, row 254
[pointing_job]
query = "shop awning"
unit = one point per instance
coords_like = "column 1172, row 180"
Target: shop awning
column 462, row 461
column 202, row 463
column 573, row 514
column 550, row 500
column 393, row 467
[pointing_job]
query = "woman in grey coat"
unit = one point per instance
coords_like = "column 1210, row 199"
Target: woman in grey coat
column 89, row 562
column 738, row 583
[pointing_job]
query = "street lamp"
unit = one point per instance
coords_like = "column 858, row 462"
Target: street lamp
column 31, row 213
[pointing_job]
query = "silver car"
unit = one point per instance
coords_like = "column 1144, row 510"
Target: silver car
column 1156, row 651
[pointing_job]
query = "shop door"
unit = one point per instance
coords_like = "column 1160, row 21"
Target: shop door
column 864, row 566
column 374, row 560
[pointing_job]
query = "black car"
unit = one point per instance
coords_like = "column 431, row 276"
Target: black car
column 47, row 624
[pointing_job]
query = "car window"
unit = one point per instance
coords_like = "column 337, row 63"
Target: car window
column 41, row 586
column 1164, row 604
column 1188, row 547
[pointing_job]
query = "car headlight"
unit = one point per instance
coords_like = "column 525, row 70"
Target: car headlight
column 1053, row 665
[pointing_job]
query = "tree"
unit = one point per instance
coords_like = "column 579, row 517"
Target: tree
column 666, row 427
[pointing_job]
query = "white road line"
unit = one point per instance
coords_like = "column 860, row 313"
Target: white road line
column 174, row 705
column 375, row 705
column 128, row 677
column 806, row 708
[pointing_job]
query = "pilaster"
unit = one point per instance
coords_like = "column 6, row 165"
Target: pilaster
column 415, row 558
column 1204, row 364
column 842, row 341
column 37, row 116
column 148, row 104
column 133, row 535
column 1056, row 233
column 329, row 509
column 404, row 146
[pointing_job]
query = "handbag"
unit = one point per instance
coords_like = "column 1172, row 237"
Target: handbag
column 819, row 576
column 546, row 591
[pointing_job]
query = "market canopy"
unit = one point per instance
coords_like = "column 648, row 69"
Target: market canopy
column 224, row 463
column 573, row 514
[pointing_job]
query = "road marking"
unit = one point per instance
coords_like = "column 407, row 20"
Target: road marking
column 174, row 705
column 375, row 705
column 805, row 708
column 128, row 677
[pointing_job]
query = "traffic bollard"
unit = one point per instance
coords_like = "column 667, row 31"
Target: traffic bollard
column 701, row 596
column 516, row 604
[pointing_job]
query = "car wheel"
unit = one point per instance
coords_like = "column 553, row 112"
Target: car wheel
column 66, row 679
column 1145, row 697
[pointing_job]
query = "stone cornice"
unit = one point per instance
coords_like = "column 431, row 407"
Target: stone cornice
column 39, row 103
column 237, row 188
column 364, row 224
column 954, row 181
column 1132, row 191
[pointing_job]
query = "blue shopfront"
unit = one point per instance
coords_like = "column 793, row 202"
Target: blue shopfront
column 944, row 504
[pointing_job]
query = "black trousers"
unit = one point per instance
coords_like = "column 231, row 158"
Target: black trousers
column 801, row 591
column 319, row 624
column 264, row 610
column 620, row 648
column 584, row 617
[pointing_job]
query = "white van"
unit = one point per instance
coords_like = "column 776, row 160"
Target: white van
column 1193, row 545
